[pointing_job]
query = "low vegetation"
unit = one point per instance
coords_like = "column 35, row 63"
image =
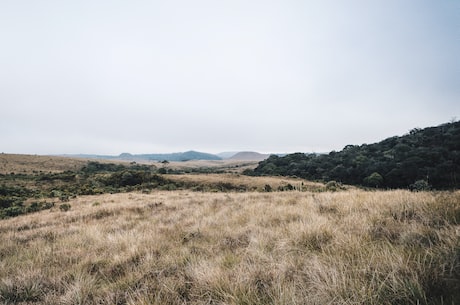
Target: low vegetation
column 26, row 192
column 183, row 247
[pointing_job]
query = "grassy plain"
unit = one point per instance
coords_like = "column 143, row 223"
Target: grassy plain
column 305, row 246
column 14, row 163
column 35, row 163
column 182, row 247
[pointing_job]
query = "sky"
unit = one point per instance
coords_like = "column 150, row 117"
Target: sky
column 111, row 76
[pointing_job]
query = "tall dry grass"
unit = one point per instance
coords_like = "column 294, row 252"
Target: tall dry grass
column 353, row 247
column 242, row 182
column 14, row 163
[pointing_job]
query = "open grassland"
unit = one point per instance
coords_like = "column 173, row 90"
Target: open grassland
column 33, row 183
column 27, row 164
column 12, row 163
column 182, row 247
column 219, row 182
column 233, row 166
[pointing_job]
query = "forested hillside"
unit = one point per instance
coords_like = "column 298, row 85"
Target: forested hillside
column 424, row 158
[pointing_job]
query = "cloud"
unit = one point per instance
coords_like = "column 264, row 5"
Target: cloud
column 262, row 75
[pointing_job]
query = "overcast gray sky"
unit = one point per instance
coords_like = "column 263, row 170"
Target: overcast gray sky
column 142, row 76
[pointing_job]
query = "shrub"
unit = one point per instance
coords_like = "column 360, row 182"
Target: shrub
column 34, row 207
column 55, row 193
column 65, row 207
column 332, row 186
column 8, row 201
column 12, row 211
column 420, row 185
column 287, row 187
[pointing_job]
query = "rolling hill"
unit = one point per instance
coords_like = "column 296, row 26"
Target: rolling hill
column 249, row 156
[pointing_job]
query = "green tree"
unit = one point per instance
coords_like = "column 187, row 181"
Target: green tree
column 420, row 185
column 374, row 179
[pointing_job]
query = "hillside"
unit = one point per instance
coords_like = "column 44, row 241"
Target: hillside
column 423, row 158
column 249, row 156
column 227, row 154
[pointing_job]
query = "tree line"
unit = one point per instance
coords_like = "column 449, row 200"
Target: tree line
column 422, row 159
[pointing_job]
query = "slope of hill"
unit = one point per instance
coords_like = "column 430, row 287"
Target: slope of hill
column 249, row 156
column 227, row 154
column 422, row 158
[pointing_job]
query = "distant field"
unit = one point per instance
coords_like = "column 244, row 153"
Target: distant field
column 234, row 166
column 29, row 163
column 249, row 183
column 11, row 163
column 222, row 239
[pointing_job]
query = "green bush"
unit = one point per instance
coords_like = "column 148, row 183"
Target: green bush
column 332, row 186
column 65, row 207
column 8, row 201
column 38, row 206
column 420, row 185
column 12, row 211
column 374, row 180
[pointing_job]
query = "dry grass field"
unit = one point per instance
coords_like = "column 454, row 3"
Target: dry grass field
column 234, row 166
column 183, row 247
column 34, row 163
column 249, row 183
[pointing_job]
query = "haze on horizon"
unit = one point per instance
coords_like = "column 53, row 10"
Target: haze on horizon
column 106, row 77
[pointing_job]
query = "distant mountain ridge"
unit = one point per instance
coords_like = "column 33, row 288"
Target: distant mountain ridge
column 179, row 156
